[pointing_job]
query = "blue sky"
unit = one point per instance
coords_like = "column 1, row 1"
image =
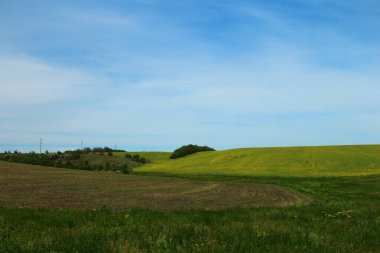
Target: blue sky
column 156, row 75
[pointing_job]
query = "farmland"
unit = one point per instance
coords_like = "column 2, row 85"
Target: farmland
column 293, row 161
column 38, row 186
column 335, row 208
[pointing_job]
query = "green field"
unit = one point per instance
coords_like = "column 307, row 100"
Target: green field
column 291, row 161
column 96, row 211
column 344, row 218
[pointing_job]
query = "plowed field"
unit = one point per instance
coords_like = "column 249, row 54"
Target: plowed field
column 24, row 185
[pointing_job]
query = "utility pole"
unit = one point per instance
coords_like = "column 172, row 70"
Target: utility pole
column 81, row 145
column 40, row 145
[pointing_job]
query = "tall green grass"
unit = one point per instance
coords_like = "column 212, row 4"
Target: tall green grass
column 290, row 161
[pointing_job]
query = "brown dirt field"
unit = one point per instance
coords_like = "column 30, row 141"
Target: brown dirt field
column 23, row 185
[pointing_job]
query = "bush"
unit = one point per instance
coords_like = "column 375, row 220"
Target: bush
column 75, row 159
column 188, row 150
column 136, row 158
column 75, row 155
column 86, row 150
column 124, row 169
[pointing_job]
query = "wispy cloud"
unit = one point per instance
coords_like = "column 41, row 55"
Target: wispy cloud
column 27, row 81
column 227, row 75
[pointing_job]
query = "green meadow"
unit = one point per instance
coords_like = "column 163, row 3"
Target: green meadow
column 329, row 161
column 343, row 216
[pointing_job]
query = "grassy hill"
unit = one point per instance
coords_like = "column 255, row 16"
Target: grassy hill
column 282, row 161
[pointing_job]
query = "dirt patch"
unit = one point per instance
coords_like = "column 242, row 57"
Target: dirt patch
column 24, row 185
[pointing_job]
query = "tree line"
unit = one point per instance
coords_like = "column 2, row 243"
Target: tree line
column 78, row 159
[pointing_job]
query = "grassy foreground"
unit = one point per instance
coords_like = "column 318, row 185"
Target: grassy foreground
column 345, row 218
column 292, row 161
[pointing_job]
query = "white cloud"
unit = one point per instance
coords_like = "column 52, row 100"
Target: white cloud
column 152, row 81
column 282, row 83
column 27, row 81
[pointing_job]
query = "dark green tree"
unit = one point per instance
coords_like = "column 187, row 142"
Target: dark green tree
column 188, row 150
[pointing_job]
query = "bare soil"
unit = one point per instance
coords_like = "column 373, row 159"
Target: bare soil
column 23, row 185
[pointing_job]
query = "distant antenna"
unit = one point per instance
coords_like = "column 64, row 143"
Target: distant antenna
column 40, row 145
column 81, row 145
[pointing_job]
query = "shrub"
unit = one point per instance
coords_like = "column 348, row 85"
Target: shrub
column 124, row 169
column 188, row 150
column 75, row 155
column 87, row 150
column 136, row 158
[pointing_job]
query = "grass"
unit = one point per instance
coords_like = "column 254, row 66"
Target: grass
column 345, row 218
column 291, row 161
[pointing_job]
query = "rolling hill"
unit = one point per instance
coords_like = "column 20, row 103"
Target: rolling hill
column 282, row 161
